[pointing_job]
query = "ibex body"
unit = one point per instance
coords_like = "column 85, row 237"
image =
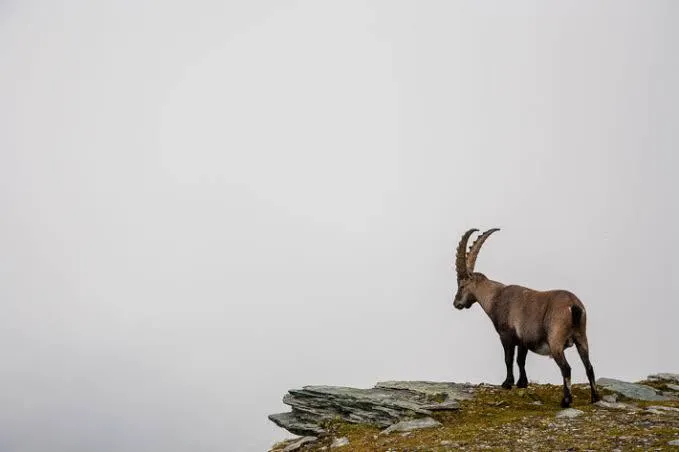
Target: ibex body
column 544, row 322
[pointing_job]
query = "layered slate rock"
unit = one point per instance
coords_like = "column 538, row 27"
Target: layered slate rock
column 634, row 391
column 383, row 405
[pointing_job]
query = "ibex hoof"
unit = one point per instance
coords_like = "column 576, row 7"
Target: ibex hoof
column 565, row 403
column 507, row 384
column 522, row 383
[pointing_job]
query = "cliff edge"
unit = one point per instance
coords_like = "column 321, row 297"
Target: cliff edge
column 421, row 415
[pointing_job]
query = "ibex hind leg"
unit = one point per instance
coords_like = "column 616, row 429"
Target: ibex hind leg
column 583, row 351
column 560, row 360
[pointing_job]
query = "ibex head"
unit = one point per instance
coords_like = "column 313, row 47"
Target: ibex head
column 465, row 261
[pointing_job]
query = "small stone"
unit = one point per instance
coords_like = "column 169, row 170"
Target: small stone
column 673, row 387
column 537, row 402
column 611, row 405
column 415, row 424
column 446, row 442
column 610, row 398
column 299, row 443
column 569, row 413
column 674, row 442
column 340, row 442
column 404, row 434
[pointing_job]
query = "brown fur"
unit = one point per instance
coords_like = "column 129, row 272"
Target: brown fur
column 544, row 322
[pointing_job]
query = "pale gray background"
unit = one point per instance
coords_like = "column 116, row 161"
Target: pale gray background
column 207, row 203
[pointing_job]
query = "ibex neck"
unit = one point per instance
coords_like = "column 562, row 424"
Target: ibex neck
column 486, row 293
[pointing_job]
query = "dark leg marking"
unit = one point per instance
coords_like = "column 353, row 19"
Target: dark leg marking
column 521, row 361
column 509, row 362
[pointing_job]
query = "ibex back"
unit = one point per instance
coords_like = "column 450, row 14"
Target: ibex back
column 544, row 322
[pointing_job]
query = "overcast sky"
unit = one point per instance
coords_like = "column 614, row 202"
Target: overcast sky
column 207, row 203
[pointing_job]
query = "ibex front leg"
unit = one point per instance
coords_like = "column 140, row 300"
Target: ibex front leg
column 521, row 361
column 509, row 362
column 583, row 350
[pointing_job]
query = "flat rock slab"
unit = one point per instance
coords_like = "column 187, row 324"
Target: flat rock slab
column 386, row 404
column 634, row 391
column 569, row 413
column 409, row 426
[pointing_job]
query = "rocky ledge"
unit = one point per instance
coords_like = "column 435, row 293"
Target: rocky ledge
column 419, row 415
column 383, row 405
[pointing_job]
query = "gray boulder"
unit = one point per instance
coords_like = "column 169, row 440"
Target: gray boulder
column 634, row 391
column 664, row 376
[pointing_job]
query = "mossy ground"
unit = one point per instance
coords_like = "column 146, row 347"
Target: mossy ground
column 522, row 419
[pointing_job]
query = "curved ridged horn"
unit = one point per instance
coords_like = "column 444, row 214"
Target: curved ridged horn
column 461, row 255
column 476, row 247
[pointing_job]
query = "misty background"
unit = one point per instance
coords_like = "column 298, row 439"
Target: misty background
column 207, row 203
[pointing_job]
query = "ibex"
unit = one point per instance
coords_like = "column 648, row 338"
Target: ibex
column 544, row 322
